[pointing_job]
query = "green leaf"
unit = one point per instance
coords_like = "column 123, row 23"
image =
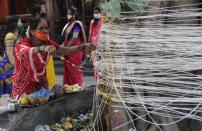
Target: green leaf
column 137, row 5
column 87, row 1
column 112, row 7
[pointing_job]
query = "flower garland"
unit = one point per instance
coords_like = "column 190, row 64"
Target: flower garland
column 33, row 65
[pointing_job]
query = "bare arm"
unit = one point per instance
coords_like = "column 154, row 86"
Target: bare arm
column 49, row 48
column 9, row 43
column 9, row 49
column 69, row 43
column 38, row 49
column 62, row 50
column 10, row 53
column 73, row 49
column 69, row 50
column 90, row 31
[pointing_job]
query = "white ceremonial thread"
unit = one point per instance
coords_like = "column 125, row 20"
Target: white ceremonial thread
column 154, row 64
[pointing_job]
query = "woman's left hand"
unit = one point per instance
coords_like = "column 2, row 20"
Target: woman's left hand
column 49, row 48
column 88, row 47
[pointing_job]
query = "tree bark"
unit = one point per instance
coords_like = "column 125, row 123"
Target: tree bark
column 50, row 11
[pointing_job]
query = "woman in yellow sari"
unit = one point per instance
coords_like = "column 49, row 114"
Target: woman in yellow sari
column 14, row 29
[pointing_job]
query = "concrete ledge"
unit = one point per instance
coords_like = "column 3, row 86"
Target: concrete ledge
column 49, row 113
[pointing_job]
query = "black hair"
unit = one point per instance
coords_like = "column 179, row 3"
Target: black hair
column 98, row 9
column 43, row 15
column 2, row 45
column 11, row 23
column 96, row 20
column 34, row 23
column 35, row 9
column 73, row 10
column 11, row 26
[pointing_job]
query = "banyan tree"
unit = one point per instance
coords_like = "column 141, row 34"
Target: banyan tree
column 149, row 64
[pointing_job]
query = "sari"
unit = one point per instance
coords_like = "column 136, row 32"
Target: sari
column 72, row 75
column 6, row 71
column 30, row 68
column 50, row 69
column 10, row 40
column 6, row 64
column 93, row 38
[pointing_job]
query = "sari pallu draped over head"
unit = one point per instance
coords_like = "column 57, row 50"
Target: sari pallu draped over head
column 71, row 74
column 29, row 70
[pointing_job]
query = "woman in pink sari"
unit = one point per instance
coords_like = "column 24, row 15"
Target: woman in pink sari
column 31, row 56
column 95, row 28
column 74, row 36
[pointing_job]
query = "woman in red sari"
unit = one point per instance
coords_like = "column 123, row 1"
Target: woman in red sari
column 74, row 36
column 31, row 56
column 94, row 34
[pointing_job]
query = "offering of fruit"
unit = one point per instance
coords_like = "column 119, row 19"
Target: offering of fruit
column 68, row 125
column 42, row 100
column 57, row 127
column 68, row 88
column 75, row 89
column 24, row 100
column 33, row 101
column 62, row 58
column 72, row 88
column 88, row 55
column 68, row 119
column 75, row 122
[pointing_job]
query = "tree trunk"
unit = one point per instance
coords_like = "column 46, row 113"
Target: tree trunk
column 50, row 16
